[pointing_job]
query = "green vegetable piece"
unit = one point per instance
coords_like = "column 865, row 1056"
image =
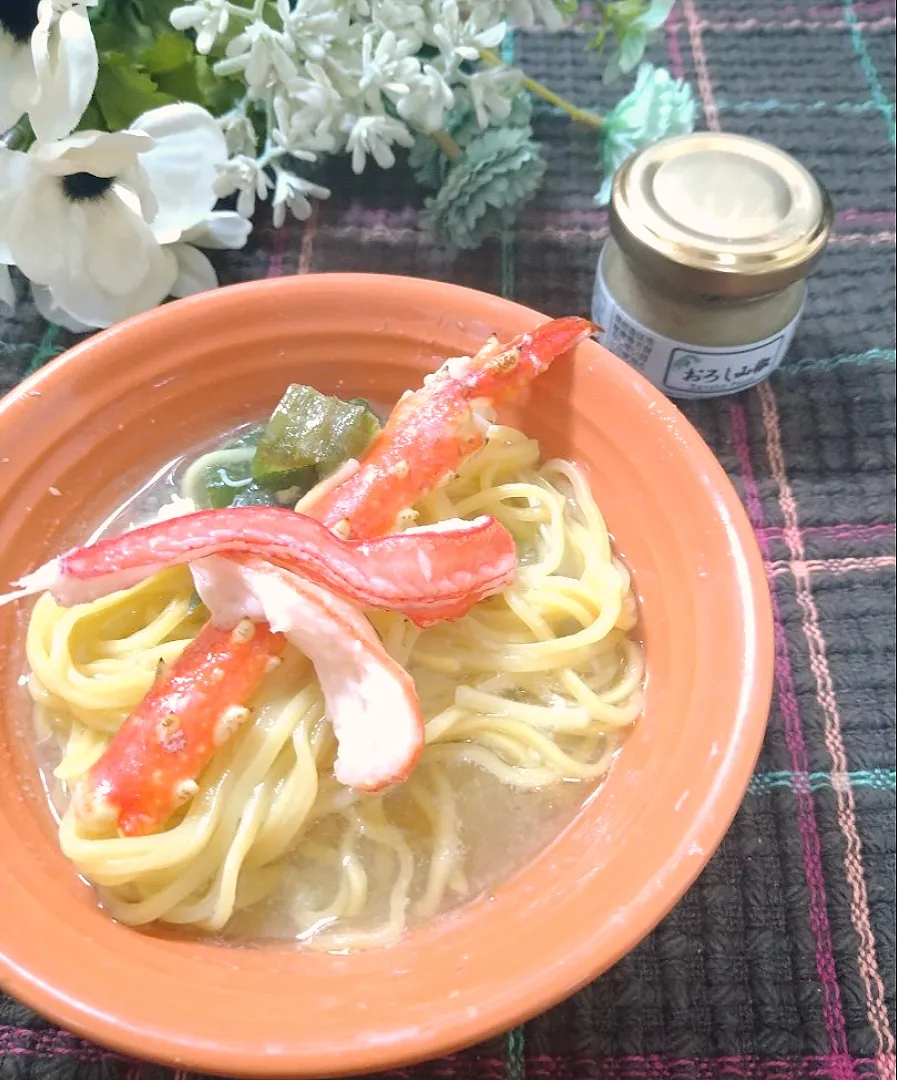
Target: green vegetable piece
column 307, row 430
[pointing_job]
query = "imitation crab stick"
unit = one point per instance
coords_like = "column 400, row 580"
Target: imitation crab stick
column 370, row 698
column 431, row 574
column 430, row 432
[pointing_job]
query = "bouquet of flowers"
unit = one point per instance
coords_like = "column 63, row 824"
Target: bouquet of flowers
column 124, row 122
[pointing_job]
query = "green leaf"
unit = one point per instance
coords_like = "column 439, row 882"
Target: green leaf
column 123, row 91
column 168, row 52
column 632, row 49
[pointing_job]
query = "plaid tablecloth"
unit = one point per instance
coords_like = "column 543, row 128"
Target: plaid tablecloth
column 780, row 961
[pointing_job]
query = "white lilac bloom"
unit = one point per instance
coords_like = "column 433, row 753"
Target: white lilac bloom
column 208, row 19
column 460, row 37
column 53, row 77
column 261, row 56
column 428, row 99
column 296, row 193
column 527, row 13
column 375, row 136
column 100, row 222
column 386, row 68
column 246, row 177
column 314, row 26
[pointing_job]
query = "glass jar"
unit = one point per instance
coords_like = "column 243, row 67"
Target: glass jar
column 702, row 282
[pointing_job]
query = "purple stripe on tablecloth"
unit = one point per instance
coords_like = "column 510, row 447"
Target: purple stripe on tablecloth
column 833, row 1014
column 590, row 223
column 625, row 1067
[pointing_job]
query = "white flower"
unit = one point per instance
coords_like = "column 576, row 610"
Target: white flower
column 491, row 90
column 102, row 224
column 64, row 55
column 74, row 217
column 428, row 97
column 220, row 230
column 244, row 175
column 182, row 167
column 456, row 36
column 407, row 20
column 312, row 26
column 16, row 77
column 209, row 18
column 261, row 55
column 386, row 68
column 295, row 136
column 47, row 307
column 316, row 110
column 294, row 192
column 526, row 13
column 375, row 135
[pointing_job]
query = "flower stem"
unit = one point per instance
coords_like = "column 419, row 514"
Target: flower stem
column 447, row 145
column 581, row 116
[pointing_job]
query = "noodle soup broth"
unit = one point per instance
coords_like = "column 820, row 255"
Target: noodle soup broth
column 526, row 701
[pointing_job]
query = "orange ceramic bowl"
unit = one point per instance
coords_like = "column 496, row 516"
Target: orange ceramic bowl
column 88, row 428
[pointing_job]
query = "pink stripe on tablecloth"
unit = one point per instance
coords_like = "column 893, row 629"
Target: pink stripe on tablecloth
column 867, row 960
column 275, row 258
column 844, row 531
column 870, row 239
column 674, row 51
column 836, row 567
column 865, row 217
column 727, row 26
column 307, row 249
column 832, row 1011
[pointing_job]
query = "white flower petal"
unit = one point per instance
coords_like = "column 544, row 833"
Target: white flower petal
column 17, row 82
column 118, row 255
column 47, row 306
column 222, row 229
column 7, row 290
column 46, row 233
column 66, row 66
column 95, row 152
column 195, row 273
column 183, row 165
column 85, row 301
column 15, row 173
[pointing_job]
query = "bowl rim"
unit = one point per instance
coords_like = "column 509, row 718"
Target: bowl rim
column 706, row 824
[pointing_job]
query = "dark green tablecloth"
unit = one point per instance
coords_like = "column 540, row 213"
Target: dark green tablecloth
column 780, row 961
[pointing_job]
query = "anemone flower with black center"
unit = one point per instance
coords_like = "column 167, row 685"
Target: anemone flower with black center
column 101, row 223
column 48, row 64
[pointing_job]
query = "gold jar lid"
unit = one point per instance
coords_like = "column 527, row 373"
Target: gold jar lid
column 719, row 215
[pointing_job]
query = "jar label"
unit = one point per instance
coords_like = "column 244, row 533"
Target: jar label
column 680, row 369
